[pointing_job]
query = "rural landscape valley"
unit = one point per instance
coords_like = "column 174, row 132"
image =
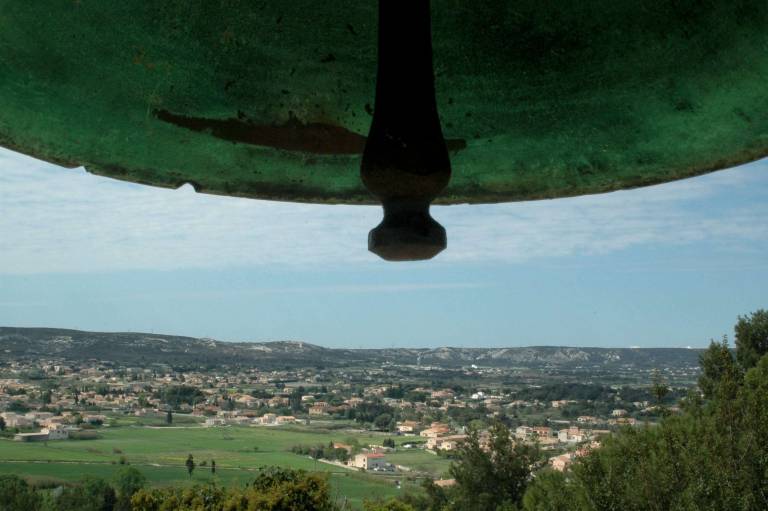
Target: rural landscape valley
column 377, row 424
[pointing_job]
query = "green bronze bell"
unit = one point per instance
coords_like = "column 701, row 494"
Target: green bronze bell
column 453, row 101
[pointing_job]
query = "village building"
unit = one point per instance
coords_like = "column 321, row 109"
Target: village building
column 369, row 461
column 408, row 426
column 318, row 409
column 445, row 443
column 571, row 435
column 435, row 430
column 31, row 437
column 562, row 462
column 267, row 419
column 523, row 432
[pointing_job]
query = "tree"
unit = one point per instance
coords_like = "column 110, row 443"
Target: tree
column 659, row 388
column 177, row 394
column 550, row 491
column 278, row 489
column 433, row 498
column 92, row 494
column 712, row 457
column 17, row 407
column 127, row 482
column 295, row 398
column 491, row 478
column 16, row 495
column 382, row 421
column 275, row 489
column 190, row 463
column 716, row 362
column 387, row 505
column 751, row 338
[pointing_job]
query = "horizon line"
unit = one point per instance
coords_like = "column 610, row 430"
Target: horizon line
column 207, row 338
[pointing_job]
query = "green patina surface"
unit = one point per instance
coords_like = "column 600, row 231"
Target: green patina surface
column 538, row 99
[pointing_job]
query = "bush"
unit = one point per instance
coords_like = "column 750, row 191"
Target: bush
column 16, row 494
column 275, row 489
column 90, row 495
column 127, row 482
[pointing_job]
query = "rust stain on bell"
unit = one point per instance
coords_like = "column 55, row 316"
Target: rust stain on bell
column 313, row 137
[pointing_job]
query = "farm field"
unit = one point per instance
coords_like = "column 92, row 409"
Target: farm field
column 160, row 454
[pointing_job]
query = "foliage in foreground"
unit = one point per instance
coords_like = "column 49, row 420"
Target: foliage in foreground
column 713, row 457
column 275, row 489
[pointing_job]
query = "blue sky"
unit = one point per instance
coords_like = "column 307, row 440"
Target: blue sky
column 669, row 265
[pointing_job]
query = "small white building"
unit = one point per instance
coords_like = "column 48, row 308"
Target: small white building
column 56, row 433
column 268, row 419
column 368, row 461
column 31, row 437
column 523, row 432
column 560, row 463
column 571, row 435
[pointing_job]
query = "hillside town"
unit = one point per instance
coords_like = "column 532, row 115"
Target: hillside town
column 60, row 401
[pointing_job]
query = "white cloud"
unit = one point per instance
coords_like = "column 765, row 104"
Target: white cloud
column 60, row 220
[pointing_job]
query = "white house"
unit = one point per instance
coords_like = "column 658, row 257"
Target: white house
column 560, row 463
column 56, row 433
column 368, row 461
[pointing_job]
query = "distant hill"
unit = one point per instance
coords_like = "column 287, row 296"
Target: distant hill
column 143, row 349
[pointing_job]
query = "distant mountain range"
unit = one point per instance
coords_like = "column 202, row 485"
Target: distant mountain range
column 144, row 349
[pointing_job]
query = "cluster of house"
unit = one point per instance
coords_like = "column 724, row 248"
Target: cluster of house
column 440, row 437
column 136, row 390
column 563, row 461
column 51, row 426
column 241, row 419
column 548, row 436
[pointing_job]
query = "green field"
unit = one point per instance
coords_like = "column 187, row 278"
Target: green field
column 238, row 451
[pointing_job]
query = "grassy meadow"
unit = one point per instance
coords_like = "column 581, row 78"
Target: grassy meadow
column 160, row 453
